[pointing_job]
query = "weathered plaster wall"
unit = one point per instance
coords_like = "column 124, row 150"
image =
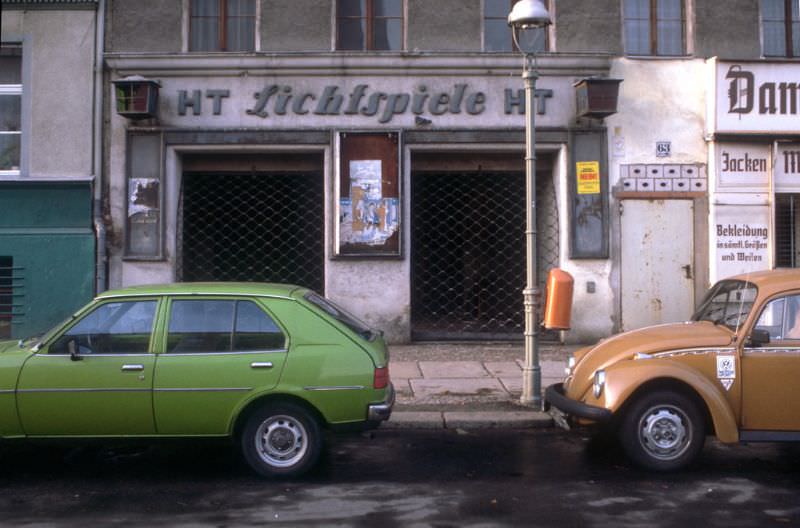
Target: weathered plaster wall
column 11, row 23
column 144, row 26
column 58, row 54
column 729, row 33
column 444, row 25
column 296, row 25
column 598, row 29
column 661, row 100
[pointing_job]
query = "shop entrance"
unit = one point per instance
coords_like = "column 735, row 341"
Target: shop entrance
column 468, row 244
column 264, row 225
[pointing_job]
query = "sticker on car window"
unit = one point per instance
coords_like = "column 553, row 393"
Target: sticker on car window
column 726, row 370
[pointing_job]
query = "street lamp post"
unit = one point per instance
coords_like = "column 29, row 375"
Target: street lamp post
column 530, row 15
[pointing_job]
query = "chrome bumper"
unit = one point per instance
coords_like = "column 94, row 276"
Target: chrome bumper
column 380, row 412
column 554, row 397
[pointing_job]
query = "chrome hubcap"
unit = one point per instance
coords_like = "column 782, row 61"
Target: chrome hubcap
column 665, row 432
column 281, row 441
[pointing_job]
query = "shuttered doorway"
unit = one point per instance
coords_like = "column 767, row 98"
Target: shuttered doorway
column 256, row 226
column 468, row 247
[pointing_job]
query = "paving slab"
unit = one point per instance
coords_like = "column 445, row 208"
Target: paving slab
column 512, row 384
column 503, row 368
column 433, row 390
column 404, row 369
column 402, row 388
column 486, row 420
column 452, row 369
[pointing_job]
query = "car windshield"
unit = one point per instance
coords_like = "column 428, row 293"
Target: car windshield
column 351, row 321
column 728, row 303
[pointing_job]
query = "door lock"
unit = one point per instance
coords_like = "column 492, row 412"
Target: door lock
column 687, row 269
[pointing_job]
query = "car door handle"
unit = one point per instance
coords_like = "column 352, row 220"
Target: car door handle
column 257, row 365
column 132, row 368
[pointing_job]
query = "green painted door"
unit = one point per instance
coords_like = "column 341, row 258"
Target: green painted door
column 217, row 353
column 95, row 378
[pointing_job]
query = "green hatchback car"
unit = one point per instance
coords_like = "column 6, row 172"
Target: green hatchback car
column 270, row 366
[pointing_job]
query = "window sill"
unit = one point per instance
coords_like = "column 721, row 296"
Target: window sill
column 659, row 57
column 143, row 258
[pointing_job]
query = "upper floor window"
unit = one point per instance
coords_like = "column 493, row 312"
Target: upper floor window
column 497, row 33
column 780, row 25
column 363, row 25
column 655, row 27
column 222, row 25
column 10, row 108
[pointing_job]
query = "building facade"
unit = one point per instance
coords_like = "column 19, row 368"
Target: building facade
column 374, row 150
column 50, row 131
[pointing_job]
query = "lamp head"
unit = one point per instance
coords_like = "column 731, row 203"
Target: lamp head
column 529, row 14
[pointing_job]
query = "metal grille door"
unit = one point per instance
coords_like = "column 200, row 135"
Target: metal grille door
column 468, row 252
column 253, row 227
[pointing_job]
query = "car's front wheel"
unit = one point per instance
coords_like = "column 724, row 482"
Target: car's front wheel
column 281, row 440
column 663, row 431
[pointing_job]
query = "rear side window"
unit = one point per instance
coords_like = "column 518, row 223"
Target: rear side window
column 349, row 320
column 206, row 326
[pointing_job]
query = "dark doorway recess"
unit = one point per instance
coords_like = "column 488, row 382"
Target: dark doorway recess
column 468, row 252
column 259, row 226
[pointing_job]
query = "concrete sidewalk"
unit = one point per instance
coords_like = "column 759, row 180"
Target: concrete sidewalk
column 467, row 386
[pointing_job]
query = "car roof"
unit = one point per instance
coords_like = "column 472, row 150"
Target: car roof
column 772, row 280
column 207, row 288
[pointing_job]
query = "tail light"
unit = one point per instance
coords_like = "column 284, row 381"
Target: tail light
column 381, row 380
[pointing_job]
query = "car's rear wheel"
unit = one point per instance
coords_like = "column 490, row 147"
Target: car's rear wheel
column 663, row 431
column 281, row 440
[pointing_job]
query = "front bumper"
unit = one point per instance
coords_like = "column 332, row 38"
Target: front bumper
column 380, row 412
column 554, row 396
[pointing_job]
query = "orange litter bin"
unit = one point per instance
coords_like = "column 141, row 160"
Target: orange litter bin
column 558, row 305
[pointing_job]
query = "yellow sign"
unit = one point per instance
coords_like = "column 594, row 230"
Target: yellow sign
column 588, row 177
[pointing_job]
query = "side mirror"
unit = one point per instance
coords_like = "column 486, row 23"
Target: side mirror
column 72, row 347
column 758, row 338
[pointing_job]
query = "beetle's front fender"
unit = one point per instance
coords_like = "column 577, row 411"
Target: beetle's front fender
column 625, row 378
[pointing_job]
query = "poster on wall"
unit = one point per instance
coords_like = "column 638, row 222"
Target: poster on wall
column 369, row 198
column 740, row 236
column 588, row 177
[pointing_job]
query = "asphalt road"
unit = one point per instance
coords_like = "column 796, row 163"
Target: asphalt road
column 400, row 478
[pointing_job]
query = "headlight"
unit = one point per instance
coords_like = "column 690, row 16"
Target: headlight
column 570, row 365
column 599, row 382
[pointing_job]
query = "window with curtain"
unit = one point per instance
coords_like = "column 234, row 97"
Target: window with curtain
column 222, row 25
column 10, row 107
column 497, row 33
column 780, row 28
column 655, row 27
column 366, row 25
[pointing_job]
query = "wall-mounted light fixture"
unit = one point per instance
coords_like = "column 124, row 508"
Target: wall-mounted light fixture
column 597, row 96
column 137, row 97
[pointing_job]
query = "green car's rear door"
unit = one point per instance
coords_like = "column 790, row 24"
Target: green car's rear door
column 215, row 353
column 105, row 388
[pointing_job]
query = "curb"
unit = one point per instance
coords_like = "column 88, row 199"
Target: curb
column 468, row 420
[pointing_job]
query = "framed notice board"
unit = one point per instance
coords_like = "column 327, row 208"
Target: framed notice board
column 368, row 201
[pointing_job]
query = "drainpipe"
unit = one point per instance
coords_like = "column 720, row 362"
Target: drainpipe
column 101, row 278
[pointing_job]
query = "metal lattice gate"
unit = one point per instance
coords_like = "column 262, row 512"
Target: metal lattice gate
column 252, row 227
column 468, row 252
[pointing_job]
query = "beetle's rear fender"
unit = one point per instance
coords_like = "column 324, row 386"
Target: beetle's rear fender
column 625, row 378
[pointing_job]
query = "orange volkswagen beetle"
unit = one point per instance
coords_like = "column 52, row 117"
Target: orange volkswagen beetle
column 731, row 371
